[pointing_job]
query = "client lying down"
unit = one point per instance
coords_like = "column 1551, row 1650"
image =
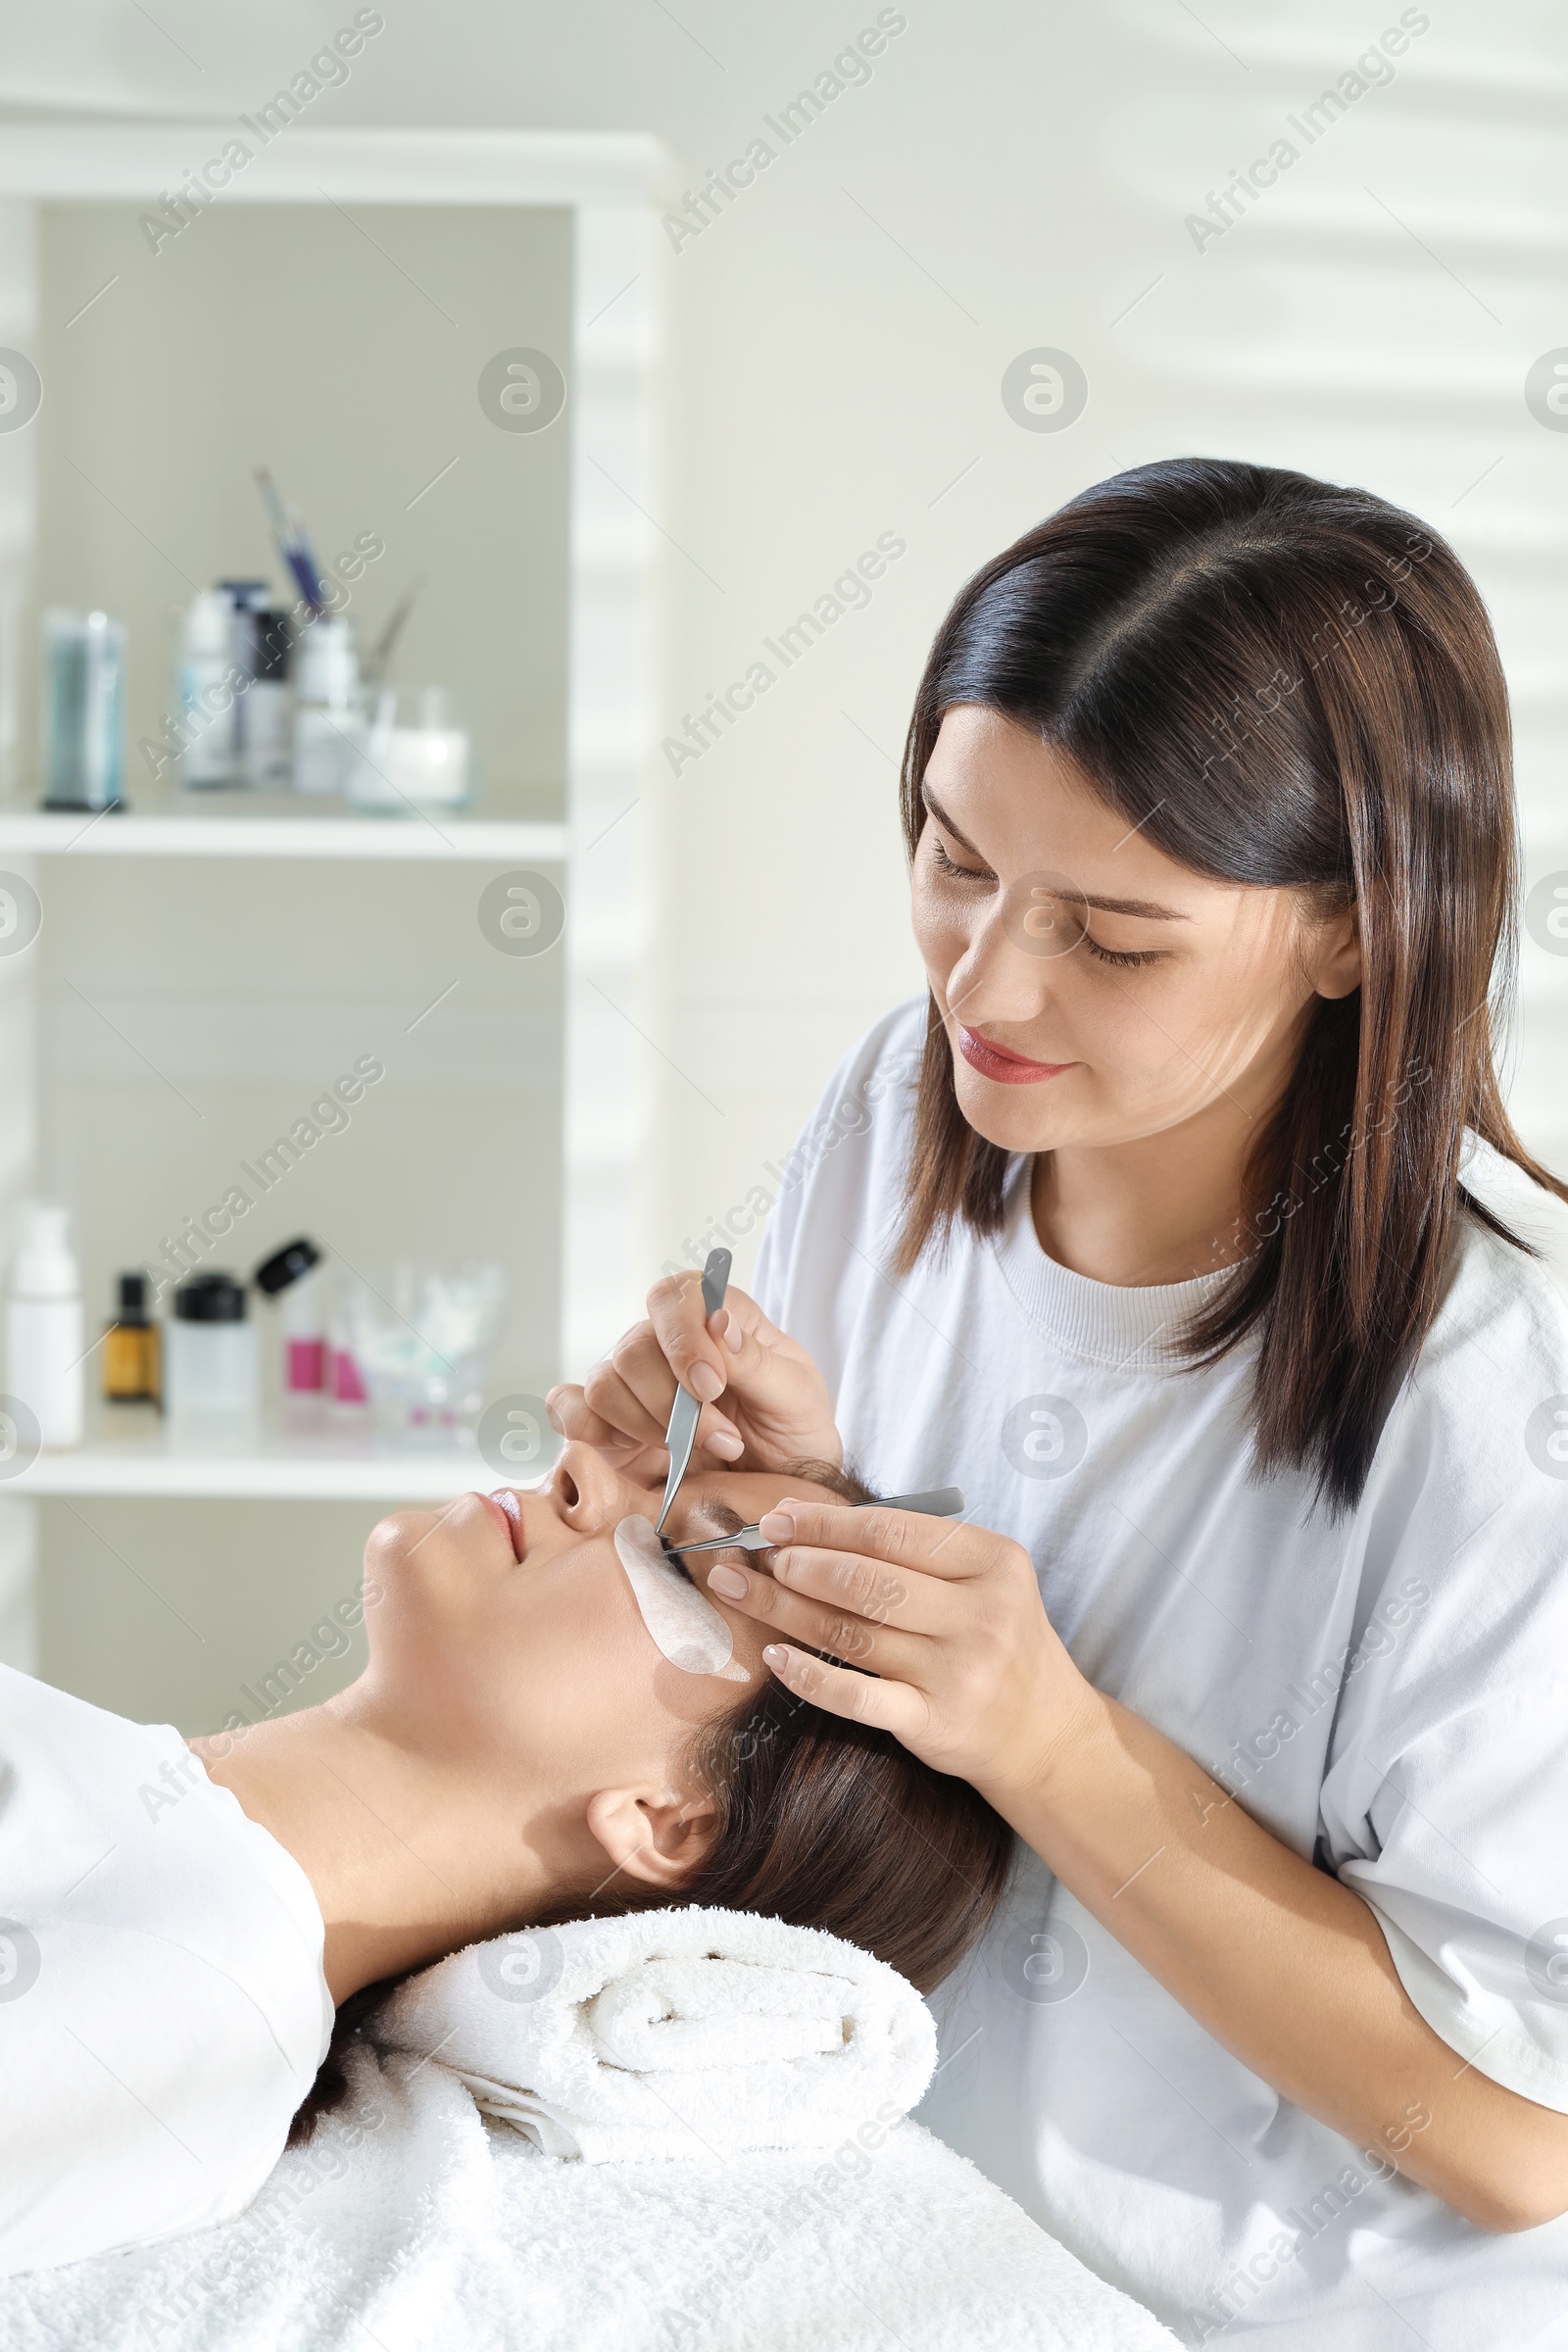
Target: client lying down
column 519, row 1750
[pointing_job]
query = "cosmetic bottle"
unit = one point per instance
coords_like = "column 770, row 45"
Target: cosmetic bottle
column 83, row 716
column 245, row 601
column 268, row 733
column 210, row 1361
column 43, row 1326
column 329, row 710
column 206, row 693
column 290, row 1276
column 130, row 1348
column 345, row 1381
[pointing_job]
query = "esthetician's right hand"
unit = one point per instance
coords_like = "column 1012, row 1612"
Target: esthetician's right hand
column 775, row 1409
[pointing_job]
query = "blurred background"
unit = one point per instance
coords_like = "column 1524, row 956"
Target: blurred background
column 823, row 285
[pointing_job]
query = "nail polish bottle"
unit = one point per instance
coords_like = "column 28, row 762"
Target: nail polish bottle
column 131, row 1350
column 290, row 1276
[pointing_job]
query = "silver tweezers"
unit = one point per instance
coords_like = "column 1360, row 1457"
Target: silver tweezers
column 942, row 1503
column 687, row 1409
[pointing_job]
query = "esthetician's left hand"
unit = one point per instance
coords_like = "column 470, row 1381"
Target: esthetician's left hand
column 956, row 1653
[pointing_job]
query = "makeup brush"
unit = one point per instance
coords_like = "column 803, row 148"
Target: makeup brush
column 292, row 544
column 380, row 653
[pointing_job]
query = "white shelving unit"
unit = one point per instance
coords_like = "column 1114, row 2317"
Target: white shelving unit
column 33, row 833
column 598, row 848
column 130, row 1454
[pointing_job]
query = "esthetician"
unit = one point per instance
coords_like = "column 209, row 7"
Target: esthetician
column 1182, row 1227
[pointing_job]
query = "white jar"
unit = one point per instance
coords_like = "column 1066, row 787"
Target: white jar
column 211, row 1367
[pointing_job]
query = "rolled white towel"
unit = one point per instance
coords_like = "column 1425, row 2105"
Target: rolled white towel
column 689, row 2032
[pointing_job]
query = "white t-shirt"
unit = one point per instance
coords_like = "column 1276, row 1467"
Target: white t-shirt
column 163, row 2009
column 1388, row 1693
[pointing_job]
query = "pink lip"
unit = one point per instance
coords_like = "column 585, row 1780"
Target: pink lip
column 502, row 1507
column 1000, row 1062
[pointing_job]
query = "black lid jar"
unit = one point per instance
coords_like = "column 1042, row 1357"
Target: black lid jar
column 210, row 1299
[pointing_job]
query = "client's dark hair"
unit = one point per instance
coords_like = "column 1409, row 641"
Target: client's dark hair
column 822, row 1823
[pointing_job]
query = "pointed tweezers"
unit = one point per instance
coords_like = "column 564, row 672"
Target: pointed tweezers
column 942, row 1503
column 687, row 1409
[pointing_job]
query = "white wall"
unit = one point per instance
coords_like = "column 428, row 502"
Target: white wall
column 1009, row 177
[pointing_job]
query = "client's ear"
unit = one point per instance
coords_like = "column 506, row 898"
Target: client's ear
column 658, row 1837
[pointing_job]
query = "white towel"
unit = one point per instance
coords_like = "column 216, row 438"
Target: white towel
column 410, row 2225
column 690, row 2033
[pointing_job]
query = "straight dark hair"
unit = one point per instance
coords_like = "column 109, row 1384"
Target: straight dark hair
column 822, row 1823
column 1282, row 683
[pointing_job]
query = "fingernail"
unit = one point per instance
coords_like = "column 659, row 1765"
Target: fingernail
column 732, row 1583
column 777, row 1527
column 776, row 1656
column 734, row 1337
column 726, row 1444
column 552, row 1416
column 703, row 1382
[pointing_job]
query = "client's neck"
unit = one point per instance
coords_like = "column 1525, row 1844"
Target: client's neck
column 406, row 1862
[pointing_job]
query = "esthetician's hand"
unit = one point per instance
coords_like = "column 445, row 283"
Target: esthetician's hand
column 958, row 1659
column 774, row 1410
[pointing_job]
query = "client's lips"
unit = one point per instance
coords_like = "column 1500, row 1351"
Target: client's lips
column 502, row 1505
column 1002, row 1063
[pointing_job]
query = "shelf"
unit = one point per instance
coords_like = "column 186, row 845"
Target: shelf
column 330, row 1464
column 489, row 842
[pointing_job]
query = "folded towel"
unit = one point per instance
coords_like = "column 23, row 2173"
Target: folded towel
column 410, row 2225
column 689, row 2032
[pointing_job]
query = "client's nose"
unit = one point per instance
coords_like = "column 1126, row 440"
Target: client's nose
column 587, row 1493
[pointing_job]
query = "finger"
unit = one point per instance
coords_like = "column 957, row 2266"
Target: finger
column 633, row 1390
column 572, row 1416
column 888, row 1706
column 859, row 1641
column 950, row 1549
column 691, row 1352
column 868, row 1588
column 610, row 1395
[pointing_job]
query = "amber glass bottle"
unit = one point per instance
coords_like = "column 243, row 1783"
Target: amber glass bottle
column 130, row 1348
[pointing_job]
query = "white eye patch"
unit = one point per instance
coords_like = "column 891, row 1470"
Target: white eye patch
column 685, row 1627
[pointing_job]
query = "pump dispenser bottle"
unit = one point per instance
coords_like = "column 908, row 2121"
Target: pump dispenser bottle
column 44, row 1354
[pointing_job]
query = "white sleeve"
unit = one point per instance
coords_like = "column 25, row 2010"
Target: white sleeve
column 163, row 2008
column 1447, row 1789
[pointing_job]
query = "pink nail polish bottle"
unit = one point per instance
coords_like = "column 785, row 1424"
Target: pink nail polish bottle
column 290, row 1276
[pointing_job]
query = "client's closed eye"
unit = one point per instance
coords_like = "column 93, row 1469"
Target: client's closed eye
column 705, row 1516
column 675, row 1560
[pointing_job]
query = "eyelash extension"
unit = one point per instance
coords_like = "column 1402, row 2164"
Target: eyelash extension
column 675, row 1560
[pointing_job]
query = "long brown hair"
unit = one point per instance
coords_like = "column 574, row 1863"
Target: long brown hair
column 1282, row 683
column 822, row 1823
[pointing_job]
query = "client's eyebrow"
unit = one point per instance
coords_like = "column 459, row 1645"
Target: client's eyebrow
column 1145, row 907
column 717, row 1514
